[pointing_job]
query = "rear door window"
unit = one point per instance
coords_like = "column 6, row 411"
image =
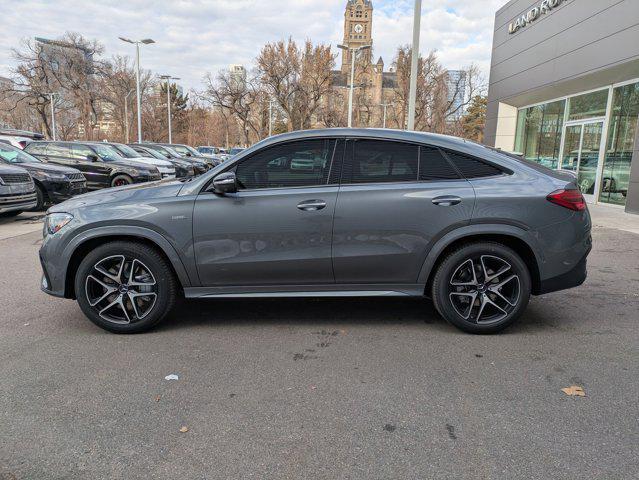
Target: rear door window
column 379, row 161
column 59, row 150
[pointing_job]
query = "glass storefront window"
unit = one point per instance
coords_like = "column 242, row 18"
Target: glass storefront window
column 538, row 135
column 620, row 144
column 589, row 105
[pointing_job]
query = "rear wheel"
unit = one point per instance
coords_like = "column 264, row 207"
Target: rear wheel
column 482, row 287
column 125, row 287
column 121, row 180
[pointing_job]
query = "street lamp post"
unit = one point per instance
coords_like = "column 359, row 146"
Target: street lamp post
column 52, row 96
column 412, row 94
column 353, row 52
column 168, row 79
column 385, row 105
column 126, row 116
column 137, row 43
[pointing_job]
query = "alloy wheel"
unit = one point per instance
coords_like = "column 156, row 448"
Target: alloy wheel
column 484, row 289
column 121, row 289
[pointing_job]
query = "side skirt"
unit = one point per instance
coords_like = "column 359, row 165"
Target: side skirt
column 279, row 291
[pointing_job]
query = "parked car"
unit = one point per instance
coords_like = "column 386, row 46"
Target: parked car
column 234, row 151
column 183, row 168
column 18, row 138
column 101, row 165
column 165, row 167
column 53, row 183
column 208, row 150
column 199, row 166
column 17, row 190
column 190, row 152
column 382, row 213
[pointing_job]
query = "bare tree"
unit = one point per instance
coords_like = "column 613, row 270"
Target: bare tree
column 297, row 79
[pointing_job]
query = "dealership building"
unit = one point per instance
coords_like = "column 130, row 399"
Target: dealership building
column 564, row 91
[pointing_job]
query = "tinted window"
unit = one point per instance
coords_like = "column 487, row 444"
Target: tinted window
column 377, row 161
column 434, row 166
column 471, row 167
column 59, row 150
column 80, row 152
column 36, row 148
column 297, row 164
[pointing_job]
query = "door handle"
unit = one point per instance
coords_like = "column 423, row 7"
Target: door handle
column 311, row 205
column 446, row 200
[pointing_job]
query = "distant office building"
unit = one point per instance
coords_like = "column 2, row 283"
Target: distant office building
column 456, row 93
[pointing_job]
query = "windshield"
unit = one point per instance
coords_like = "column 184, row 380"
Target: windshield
column 192, row 150
column 10, row 154
column 127, row 151
column 149, row 152
column 107, row 153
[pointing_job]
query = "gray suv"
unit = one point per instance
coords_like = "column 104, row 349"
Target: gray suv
column 327, row 213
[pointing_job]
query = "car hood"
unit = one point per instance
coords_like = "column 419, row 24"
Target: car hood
column 48, row 168
column 131, row 163
column 138, row 192
column 5, row 168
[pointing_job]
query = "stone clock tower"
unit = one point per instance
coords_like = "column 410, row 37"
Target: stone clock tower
column 358, row 24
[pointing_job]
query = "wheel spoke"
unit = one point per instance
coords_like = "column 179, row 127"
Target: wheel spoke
column 133, row 282
column 489, row 278
column 496, row 289
column 485, row 300
column 108, row 290
column 133, row 296
column 472, row 296
column 472, row 269
column 116, row 278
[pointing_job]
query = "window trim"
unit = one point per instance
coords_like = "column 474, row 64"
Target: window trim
column 328, row 177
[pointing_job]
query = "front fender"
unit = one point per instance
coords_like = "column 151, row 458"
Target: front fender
column 128, row 231
column 471, row 230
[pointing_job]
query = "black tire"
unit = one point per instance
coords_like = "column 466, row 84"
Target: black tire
column 121, row 180
column 41, row 198
column 453, row 289
column 143, row 316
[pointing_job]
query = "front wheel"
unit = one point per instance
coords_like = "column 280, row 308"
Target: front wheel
column 482, row 287
column 121, row 180
column 125, row 287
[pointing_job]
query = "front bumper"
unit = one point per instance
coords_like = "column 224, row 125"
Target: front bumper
column 61, row 191
column 16, row 202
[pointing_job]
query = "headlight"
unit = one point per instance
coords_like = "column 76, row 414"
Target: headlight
column 54, row 222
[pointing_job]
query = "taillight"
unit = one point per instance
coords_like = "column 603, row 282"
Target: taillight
column 572, row 199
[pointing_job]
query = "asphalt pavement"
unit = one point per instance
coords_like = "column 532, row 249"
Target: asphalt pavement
column 322, row 389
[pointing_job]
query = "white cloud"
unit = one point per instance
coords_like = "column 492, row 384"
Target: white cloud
column 199, row 36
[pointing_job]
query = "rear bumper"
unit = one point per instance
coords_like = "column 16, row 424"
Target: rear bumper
column 573, row 278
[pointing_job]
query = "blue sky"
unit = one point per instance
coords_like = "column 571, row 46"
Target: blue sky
column 195, row 37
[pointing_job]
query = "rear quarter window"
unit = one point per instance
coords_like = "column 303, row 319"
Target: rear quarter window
column 471, row 167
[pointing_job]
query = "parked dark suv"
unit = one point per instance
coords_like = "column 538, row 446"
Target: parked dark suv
column 53, row 183
column 101, row 164
column 337, row 212
column 199, row 166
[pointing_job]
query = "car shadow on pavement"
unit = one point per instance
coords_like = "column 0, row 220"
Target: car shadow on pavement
column 308, row 311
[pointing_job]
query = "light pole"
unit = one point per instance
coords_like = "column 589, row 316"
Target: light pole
column 168, row 79
column 412, row 94
column 126, row 115
column 137, row 43
column 52, row 96
column 353, row 52
column 384, row 105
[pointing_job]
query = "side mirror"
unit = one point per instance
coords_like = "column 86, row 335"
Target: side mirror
column 92, row 157
column 223, row 183
column 189, row 154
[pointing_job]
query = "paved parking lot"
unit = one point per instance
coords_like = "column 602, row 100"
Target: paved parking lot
column 322, row 388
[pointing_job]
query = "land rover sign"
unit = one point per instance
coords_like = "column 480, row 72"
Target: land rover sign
column 544, row 7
